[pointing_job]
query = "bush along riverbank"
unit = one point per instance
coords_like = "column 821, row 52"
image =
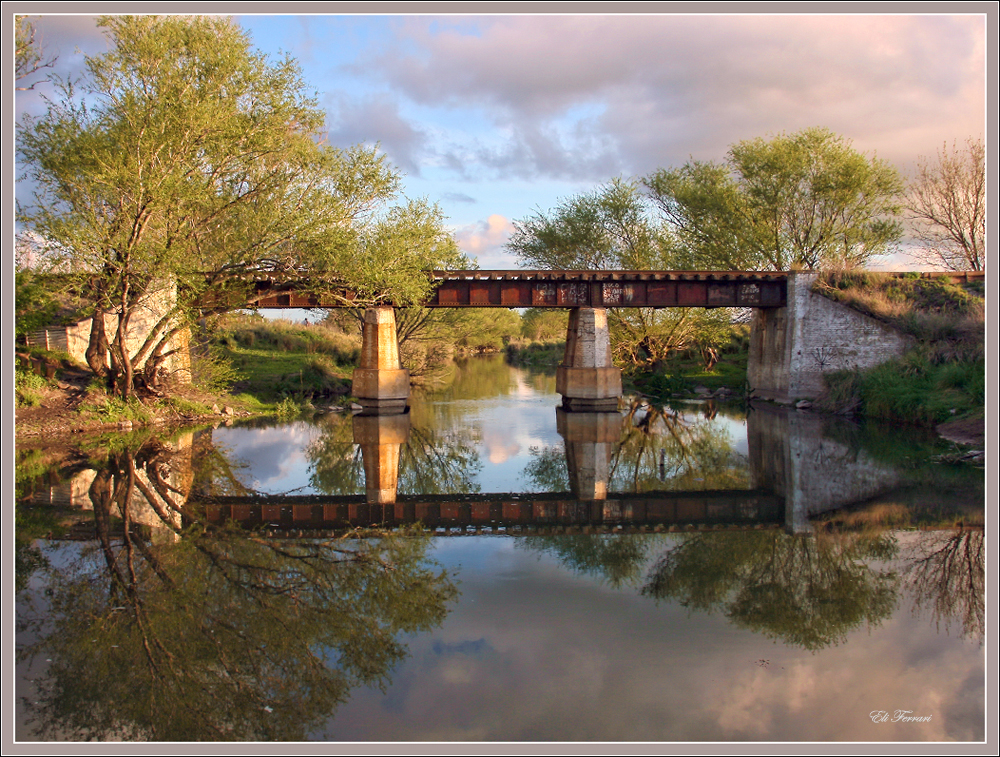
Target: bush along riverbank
column 240, row 367
column 941, row 381
column 719, row 372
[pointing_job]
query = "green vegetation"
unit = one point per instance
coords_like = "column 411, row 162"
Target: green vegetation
column 943, row 377
column 110, row 409
column 183, row 155
column 201, row 620
column 616, row 227
column 805, row 200
column 27, row 388
column 276, row 360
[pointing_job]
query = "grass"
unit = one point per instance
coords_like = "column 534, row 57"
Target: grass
column 943, row 377
column 114, row 410
column 269, row 375
column 28, row 388
column 254, row 333
column 912, row 389
column 274, row 360
column 934, row 310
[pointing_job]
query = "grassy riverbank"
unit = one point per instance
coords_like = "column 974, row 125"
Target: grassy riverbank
column 942, row 377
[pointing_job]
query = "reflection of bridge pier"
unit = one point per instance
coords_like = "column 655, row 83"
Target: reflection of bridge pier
column 794, row 455
column 590, row 440
column 587, row 379
column 380, row 438
column 381, row 384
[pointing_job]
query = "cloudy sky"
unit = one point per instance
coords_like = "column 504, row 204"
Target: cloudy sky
column 496, row 116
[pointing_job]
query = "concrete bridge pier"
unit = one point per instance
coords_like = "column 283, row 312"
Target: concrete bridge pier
column 587, row 379
column 590, row 440
column 380, row 438
column 380, row 384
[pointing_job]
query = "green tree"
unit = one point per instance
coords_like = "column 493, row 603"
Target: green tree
column 614, row 227
column 809, row 592
column 947, row 203
column 186, row 156
column 29, row 57
column 806, row 200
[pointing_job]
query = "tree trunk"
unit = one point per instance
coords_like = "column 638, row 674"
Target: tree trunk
column 97, row 347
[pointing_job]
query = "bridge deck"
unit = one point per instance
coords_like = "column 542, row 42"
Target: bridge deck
column 562, row 289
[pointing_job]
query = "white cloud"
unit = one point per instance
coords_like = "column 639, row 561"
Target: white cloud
column 667, row 87
column 484, row 240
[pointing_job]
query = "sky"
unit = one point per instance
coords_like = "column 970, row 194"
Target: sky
column 496, row 117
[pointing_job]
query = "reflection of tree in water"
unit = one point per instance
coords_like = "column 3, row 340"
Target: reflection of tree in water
column 946, row 574
column 807, row 591
column 662, row 449
column 546, row 471
column 430, row 462
column 616, row 559
column 217, row 634
column 659, row 449
column 217, row 472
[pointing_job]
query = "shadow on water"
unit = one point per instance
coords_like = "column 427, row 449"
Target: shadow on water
column 162, row 595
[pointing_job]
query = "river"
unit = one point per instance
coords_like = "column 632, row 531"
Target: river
column 487, row 567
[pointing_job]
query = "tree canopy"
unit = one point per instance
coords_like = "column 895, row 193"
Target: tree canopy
column 805, row 200
column 947, row 203
column 615, row 227
column 29, row 56
column 184, row 152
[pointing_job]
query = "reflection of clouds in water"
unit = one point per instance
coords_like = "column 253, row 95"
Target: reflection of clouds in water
column 679, row 676
column 499, row 446
column 276, row 455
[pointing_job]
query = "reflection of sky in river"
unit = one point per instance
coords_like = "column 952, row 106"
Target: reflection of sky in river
column 508, row 427
column 275, row 457
column 520, row 417
column 589, row 662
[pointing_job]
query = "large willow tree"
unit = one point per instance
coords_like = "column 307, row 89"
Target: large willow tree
column 803, row 200
column 184, row 152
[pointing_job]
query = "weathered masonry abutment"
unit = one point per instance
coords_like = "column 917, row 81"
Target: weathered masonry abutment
column 792, row 347
column 75, row 337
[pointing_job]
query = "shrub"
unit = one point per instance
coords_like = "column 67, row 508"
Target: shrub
column 28, row 388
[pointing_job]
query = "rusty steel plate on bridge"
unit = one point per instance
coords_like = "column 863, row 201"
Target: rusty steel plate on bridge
column 551, row 289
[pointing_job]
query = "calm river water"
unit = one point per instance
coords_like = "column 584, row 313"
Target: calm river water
column 692, row 572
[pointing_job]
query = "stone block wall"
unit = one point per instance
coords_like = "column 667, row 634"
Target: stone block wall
column 792, row 347
column 74, row 338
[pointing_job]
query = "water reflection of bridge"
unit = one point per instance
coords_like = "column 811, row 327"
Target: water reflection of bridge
column 651, row 511
column 799, row 467
column 798, row 470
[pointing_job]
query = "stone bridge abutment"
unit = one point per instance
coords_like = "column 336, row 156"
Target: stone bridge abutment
column 792, row 347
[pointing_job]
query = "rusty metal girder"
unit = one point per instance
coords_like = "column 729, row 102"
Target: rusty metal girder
column 570, row 289
column 750, row 508
column 561, row 289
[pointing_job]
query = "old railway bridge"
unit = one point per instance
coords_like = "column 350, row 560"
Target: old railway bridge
column 796, row 334
column 587, row 379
